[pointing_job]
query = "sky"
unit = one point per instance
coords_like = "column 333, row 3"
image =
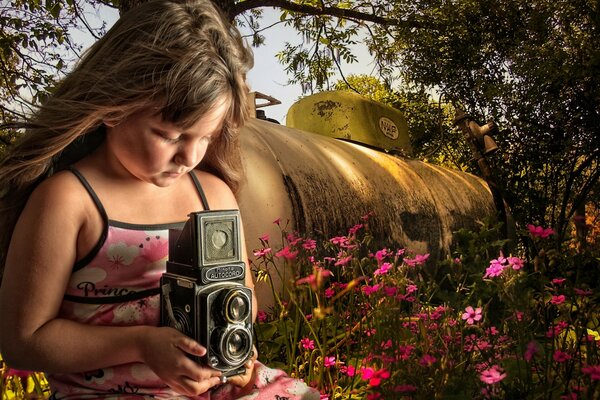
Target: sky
column 268, row 75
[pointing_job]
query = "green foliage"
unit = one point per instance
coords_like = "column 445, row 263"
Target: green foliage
column 36, row 47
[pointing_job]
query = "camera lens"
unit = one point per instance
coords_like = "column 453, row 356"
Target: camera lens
column 236, row 306
column 234, row 343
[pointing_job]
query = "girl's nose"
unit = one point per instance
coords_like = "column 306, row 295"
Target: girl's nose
column 190, row 154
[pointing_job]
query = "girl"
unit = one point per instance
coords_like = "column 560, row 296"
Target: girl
column 140, row 134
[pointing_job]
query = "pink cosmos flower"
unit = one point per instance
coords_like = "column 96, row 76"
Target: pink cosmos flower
column 315, row 280
column 307, row 343
column 384, row 269
column 390, row 291
column 582, row 293
column 369, row 290
column 492, row 375
column 348, row 370
column 286, row 253
column 339, row 240
column 532, row 349
column 427, row 360
column 261, row 316
column 472, row 315
column 593, row 371
column 329, row 361
column 538, row 231
column 380, row 255
column 261, row 252
column 309, row 244
column 561, row 356
column 354, row 229
column 418, row 260
column 556, row 300
column 343, row 261
column 495, row 269
column 515, row 262
column 374, row 376
column 411, row 289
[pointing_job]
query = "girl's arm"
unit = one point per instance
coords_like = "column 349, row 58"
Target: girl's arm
column 39, row 263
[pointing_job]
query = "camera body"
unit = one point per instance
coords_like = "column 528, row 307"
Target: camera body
column 203, row 292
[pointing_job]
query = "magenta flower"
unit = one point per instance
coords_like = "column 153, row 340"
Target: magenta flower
column 556, row 300
column 343, row 261
column 515, row 263
column 307, row 343
column 427, row 360
column 538, row 231
column 354, row 229
column 261, row 252
column 329, row 361
column 339, row 240
column 418, row 260
column 380, row 255
column 374, row 376
column 532, row 349
column 286, row 253
column 561, row 356
column 593, row 371
column 261, row 316
column 472, row 315
column 309, row 244
column 384, row 269
column 329, row 292
column 495, row 269
column 348, row 370
column 492, row 375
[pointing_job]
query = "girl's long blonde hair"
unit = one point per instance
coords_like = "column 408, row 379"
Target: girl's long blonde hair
column 182, row 57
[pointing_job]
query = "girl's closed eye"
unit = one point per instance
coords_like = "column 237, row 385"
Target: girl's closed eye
column 168, row 137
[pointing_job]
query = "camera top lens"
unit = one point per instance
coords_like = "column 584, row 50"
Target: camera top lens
column 236, row 306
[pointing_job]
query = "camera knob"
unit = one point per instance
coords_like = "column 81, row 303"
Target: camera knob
column 213, row 361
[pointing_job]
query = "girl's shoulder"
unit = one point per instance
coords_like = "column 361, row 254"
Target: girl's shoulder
column 59, row 200
column 218, row 193
column 62, row 187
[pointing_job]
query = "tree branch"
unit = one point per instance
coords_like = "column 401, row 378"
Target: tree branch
column 243, row 6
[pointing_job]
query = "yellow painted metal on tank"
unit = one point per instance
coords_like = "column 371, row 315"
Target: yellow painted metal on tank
column 318, row 183
column 345, row 115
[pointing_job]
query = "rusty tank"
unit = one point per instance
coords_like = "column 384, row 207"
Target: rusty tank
column 342, row 156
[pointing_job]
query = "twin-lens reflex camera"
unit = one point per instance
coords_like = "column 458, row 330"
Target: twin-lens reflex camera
column 203, row 293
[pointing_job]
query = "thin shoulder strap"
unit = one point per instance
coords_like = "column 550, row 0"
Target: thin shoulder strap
column 200, row 190
column 91, row 192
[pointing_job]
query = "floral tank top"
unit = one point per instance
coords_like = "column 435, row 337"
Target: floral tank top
column 117, row 284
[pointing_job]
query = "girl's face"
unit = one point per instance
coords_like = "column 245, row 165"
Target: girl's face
column 159, row 152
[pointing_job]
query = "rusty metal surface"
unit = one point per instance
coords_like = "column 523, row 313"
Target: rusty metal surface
column 324, row 184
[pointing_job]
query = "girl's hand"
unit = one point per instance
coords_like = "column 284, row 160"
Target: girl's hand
column 246, row 380
column 165, row 350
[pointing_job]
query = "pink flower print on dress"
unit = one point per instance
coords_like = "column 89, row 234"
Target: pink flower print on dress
column 154, row 248
column 120, row 254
